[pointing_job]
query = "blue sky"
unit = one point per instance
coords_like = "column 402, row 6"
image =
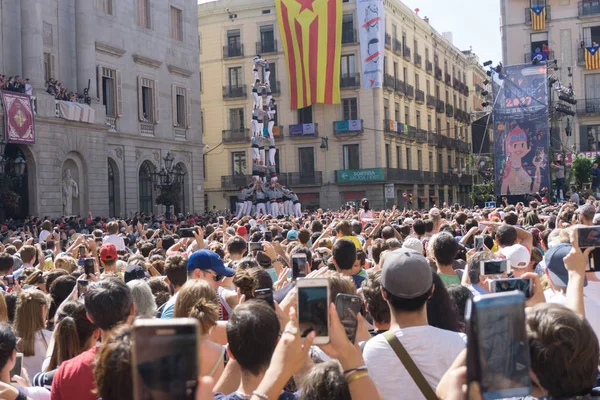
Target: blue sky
column 472, row 23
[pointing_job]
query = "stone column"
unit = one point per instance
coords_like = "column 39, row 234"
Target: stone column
column 32, row 42
column 446, row 197
column 415, row 196
column 85, row 45
column 428, row 202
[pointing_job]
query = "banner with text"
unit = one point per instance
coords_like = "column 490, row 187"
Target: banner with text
column 521, row 129
column 371, row 32
column 360, row 175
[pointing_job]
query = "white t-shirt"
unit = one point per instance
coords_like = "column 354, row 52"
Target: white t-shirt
column 592, row 306
column 43, row 235
column 432, row 349
column 33, row 364
column 35, row 393
column 116, row 240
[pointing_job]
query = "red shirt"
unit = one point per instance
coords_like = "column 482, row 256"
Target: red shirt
column 75, row 378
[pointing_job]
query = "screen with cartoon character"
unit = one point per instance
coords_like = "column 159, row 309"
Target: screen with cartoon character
column 521, row 131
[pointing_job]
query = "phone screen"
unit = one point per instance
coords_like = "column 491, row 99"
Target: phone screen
column 588, row 236
column 298, row 266
column 88, row 266
column 594, row 264
column 82, row 287
column 479, row 243
column 266, row 295
column 498, row 344
column 347, row 306
column 17, row 369
column 254, row 246
column 494, row 267
column 510, row 284
column 187, row 232
column 221, row 220
column 10, row 280
column 166, row 362
column 313, row 310
column 268, row 236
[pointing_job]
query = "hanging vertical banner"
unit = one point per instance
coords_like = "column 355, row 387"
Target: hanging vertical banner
column 371, row 33
column 592, row 57
column 521, row 129
column 19, row 120
column 311, row 32
column 538, row 18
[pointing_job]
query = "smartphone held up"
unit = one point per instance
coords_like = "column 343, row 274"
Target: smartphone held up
column 313, row 308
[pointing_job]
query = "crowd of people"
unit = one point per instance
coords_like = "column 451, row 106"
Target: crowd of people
column 16, row 84
column 61, row 92
column 72, row 288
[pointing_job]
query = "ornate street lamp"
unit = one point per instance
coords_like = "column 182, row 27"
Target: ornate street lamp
column 167, row 180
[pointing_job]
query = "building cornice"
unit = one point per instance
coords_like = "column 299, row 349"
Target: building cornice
column 179, row 71
column 109, row 50
column 149, row 62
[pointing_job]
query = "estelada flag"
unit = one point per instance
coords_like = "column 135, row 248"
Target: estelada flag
column 592, row 57
column 312, row 42
column 538, row 18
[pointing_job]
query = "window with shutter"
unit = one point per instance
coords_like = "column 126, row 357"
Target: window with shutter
column 109, row 91
column 119, row 94
column 141, row 115
column 176, row 24
column 99, row 82
column 156, row 102
column 143, row 13
column 188, row 108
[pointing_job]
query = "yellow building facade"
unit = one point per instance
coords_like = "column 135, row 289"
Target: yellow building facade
column 414, row 138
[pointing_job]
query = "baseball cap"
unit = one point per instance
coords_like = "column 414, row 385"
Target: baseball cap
column 413, row 244
column 406, row 274
column 517, row 255
column 409, row 221
column 208, row 260
column 292, row 235
column 241, row 231
column 587, row 210
column 134, row 272
column 555, row 264
column 434, row 211
column 108, row 252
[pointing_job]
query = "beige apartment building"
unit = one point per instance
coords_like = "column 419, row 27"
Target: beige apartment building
column 570, row 27
column 414, row 132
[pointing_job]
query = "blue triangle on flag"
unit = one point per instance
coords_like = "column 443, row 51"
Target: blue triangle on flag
column 537, row 10
column 593, row 49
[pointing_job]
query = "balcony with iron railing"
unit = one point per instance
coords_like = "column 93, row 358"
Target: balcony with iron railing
column 406, row 53
column 421, row 135
column 236, row 135
column 389, row 82
column 448, row 79
column 428, row 66
column 400, row 87
column 299, row 131
column 350, row 80
column 430, row 101
column 438, row 73
column 432, row 138
column 397, row 47
column 528, row 14
column 588, row 8
column 588, row 107
column 418, row 60
column 234, row 92
column 420, row 96
column 146, row 129
column 449, row 110
column 388, row 41
column 542, row 56
column 293, row 179
column 439, row 107
column 233, row 50
column 234, row 182
column 410, row 91
column 266, row 47
column 349, row 36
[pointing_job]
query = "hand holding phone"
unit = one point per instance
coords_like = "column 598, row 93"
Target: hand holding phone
column 299, row 265
column 82, row 287
column 347, row 307
column 494, row 267
column 254, row 246
column 510, row 284
column 313, row 308
column 479, row 243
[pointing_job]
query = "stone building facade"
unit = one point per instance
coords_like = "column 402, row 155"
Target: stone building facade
column 140, row 61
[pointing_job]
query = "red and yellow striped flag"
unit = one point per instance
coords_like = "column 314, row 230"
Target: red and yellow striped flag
column 538, row 18
column 592, row 57
column 312, row 41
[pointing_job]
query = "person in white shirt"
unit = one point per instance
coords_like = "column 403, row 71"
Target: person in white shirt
column 558, row 277
column 407, row 283
column 113, row 229
column 46, row 231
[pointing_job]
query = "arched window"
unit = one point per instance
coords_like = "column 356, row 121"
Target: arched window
column 145, row 187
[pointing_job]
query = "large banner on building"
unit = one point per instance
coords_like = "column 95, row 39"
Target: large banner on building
column 19, row 119
column 371, row 32
column 521, row 134
column 311, row 32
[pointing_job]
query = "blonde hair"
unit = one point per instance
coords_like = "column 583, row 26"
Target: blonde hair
column 30, row 317
column 67, row 263
column 197, row 299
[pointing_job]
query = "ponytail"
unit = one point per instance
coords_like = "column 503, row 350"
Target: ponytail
column 207, row 312
column 66, row 343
